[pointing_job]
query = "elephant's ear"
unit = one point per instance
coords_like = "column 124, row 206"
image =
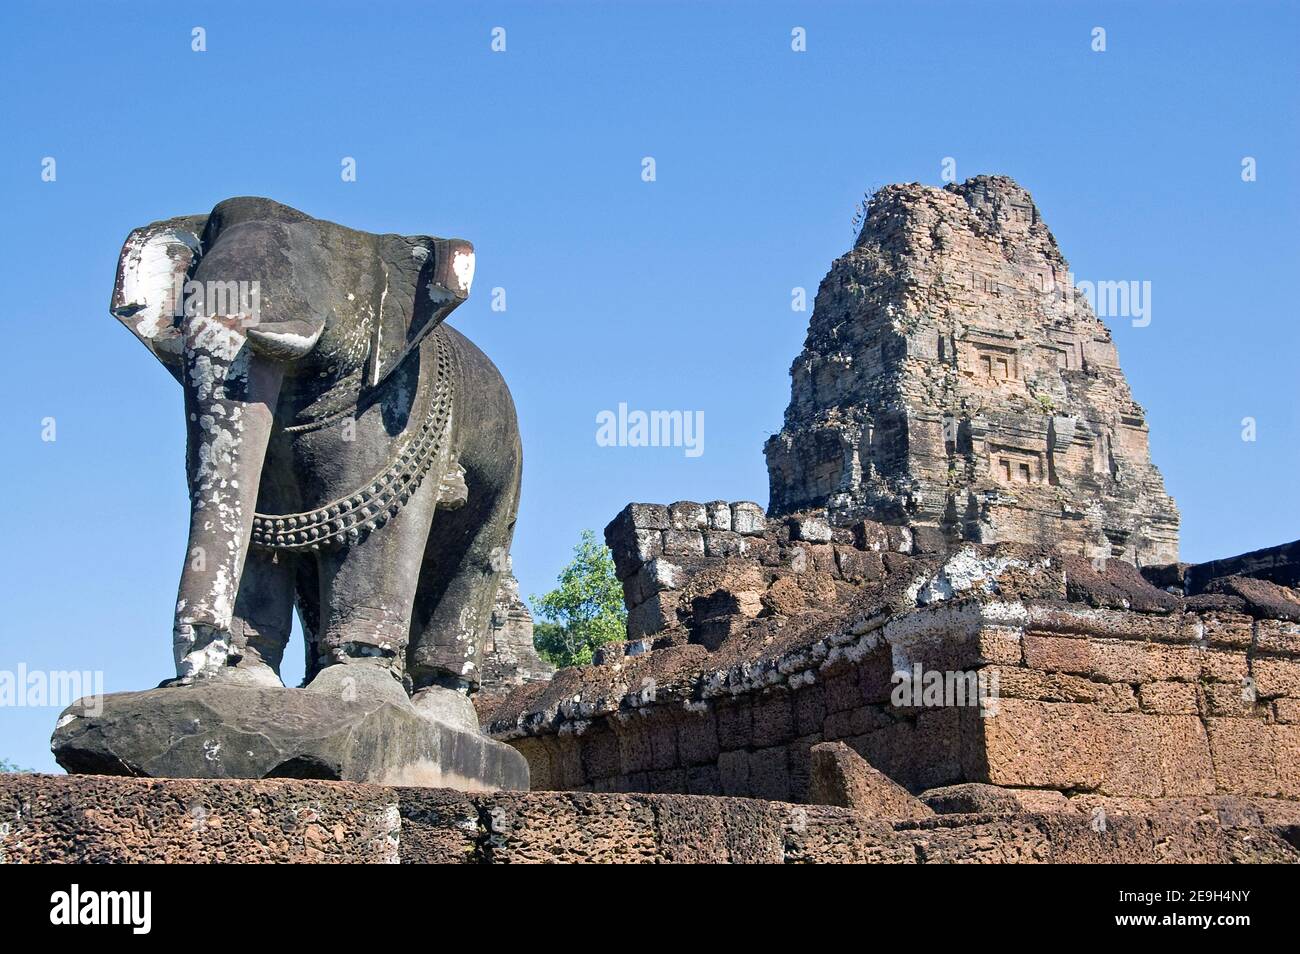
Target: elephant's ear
column 152, row 270
column 425, row 279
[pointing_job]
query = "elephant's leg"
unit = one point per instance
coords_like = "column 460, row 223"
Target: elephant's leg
column 366, row 590
column 468, row 551
column 263, row 618
column 230, row 397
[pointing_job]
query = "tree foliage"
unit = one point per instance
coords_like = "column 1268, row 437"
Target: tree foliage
column 584, row 610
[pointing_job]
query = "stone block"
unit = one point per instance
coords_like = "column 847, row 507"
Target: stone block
column 839, row 776
column 809, row 710
column 868, row 719
column 1076, row 746
column 1234, row 630
column 1229, row 699
column 1057, row 654
column 733, row 773
column 1044, row 745
column 697, row 738
column 1287, row 711
column 748, row 518
column 769, row 774
column 683, row 543
column 859, row 566
column 721, row 543
column 644, row 516
column 663, row 741
column 812, row 528
column 773, row 719
column 869, row 535
column 600, row 754
column 838, row 725
column 1277, row 636
column 668, row 781
column 634, row 751
column 719, row 514
column 876, row 676
column 936, row 747
column 1118, row 660
column 687, row 515
column 1157, row 756
column 735, row 724
column 1220, row 665
column 704, row 780
column 635, row 536
column 971, row 797
column 843, row 692
column 1276, row 676
column 1169, row 698
column 634, row 549
column 1000, row 644
column 1245, row 757
column 657, row 613
column 656, row 576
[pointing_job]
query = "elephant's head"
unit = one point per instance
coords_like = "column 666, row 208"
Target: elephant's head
column 233, row 303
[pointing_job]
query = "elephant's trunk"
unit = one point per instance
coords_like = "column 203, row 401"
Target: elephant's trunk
column 230, row 397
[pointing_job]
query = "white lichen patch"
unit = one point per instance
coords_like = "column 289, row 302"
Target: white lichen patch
column 151, row 263
column 462, row 266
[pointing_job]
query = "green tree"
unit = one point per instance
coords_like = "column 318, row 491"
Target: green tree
column 584, row 611
column 7, row 766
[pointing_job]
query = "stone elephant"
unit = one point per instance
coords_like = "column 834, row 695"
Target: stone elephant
column 348, row 453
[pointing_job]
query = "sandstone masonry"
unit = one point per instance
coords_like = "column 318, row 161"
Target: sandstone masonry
column 954, row 381
column 51, row 819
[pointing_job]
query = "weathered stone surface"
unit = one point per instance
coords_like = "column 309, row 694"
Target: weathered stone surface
column 971, row 798
column 1280, row 564
column 953, row 381
column 99, row 819
column 46, row 819
column 343, row 727
column 842, row 777
column 1113, row 702
column 747, row 518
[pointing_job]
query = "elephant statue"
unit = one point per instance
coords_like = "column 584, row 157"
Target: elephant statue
column 348, row 453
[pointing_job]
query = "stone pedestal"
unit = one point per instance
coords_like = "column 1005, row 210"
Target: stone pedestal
column 353, row 729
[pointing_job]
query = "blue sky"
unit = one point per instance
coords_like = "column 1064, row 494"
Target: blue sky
column 672, row 294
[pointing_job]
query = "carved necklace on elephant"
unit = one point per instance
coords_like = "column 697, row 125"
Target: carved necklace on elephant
column 374, row 503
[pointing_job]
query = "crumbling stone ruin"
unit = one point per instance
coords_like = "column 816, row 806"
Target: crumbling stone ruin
column 1059, row 658
column 954, row 381
column 509, row 658
column 1086, row 687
